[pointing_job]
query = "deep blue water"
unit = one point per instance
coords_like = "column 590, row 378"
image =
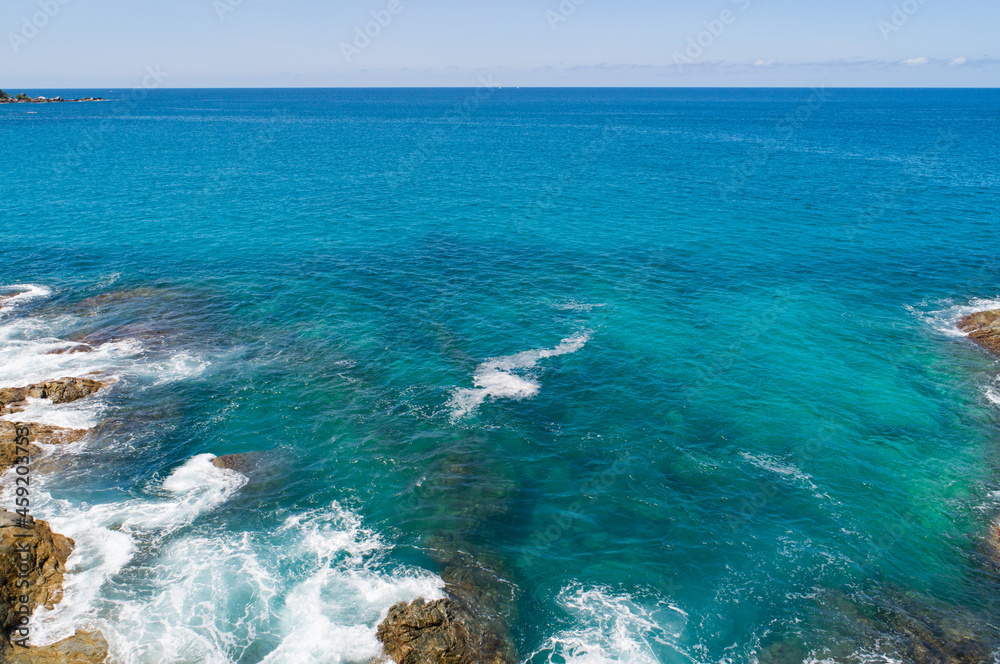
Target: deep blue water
column 675, row 366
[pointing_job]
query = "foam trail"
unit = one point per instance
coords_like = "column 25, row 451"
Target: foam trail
column 496, row 378
column 24, row 293
column 609, row 627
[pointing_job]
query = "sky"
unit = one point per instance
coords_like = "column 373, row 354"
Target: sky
column 328, row 43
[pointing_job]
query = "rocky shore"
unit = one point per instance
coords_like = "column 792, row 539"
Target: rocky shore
column 32, row 557
column 32, row 566
column 983, row 328
column 25, row 99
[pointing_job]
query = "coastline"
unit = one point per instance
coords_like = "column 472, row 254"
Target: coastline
column 467, row 625
column 464, row 627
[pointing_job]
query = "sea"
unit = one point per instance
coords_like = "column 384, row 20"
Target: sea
column 676, row 369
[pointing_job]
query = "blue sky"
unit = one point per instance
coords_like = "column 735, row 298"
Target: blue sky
column 263, row 43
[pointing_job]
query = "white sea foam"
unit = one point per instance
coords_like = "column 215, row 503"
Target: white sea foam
column 331, row 614
column 578, row 306
column 945, row 315
column 993, row 394
column 85, row 414
column 787, row 470
column 611, row 627
column 24, row 293
column 26, row 357
column 108, row 536
column 180, row 366
column 505, row 377
column 315, row 588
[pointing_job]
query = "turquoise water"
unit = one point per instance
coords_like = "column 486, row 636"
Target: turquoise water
column 677, row 366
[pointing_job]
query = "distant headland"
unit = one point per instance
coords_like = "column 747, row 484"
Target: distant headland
column 25, row 99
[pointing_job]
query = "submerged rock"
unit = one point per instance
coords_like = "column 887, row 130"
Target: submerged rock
column 983, row 328
column 81, row 648
column 72, row 350
column 142, row 331
column 32, row 565
column 895, row 624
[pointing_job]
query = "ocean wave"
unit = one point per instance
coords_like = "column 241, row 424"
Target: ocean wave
column 331, row 615
column 311, row 591
column 31, row 351
column 611, row 627
column 499, row 378
column 108, row 536
column 180, row 366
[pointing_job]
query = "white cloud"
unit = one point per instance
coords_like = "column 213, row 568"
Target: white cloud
column 959, row 61
column 763, row 63
column 915, row 62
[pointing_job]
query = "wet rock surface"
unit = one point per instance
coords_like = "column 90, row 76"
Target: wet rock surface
column 440, row 632
column 34, row 433
column 81, row 648
column 31, row 554
column 246, row 463
column 983, row 328
column 63, row 390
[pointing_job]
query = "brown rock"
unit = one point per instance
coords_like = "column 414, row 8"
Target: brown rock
column 64, row 390
column 72, row 350
column 245, row 462
column 983, row 328
column 35, row 433
column 12, row 395
column 42, row 566
column 81, row 648
column 439, row 632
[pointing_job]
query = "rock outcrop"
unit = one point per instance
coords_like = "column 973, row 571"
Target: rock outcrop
column 32, row 565
column 81, row 648
column 440, row 632
column 983, row 328
column 244, row 462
